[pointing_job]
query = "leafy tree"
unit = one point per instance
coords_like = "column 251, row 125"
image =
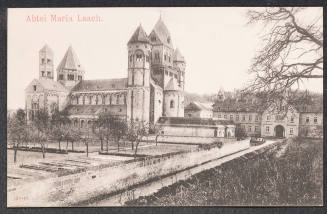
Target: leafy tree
column 41, row 125
column 293, row 49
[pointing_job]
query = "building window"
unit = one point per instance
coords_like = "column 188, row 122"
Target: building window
column 165, row 57
column 156, row 55
column 237, row 118
column 219, row 115
column 231, row 117
column 243, row 118
column 42, row 73
column 61, row 76
column 34, row 87
column 172, row 104
column 138, row 56
column 256, row 128
column 43, row 61
column 250, row 128
column 48, row 61
column 256, row 118
column 315, row 119
column 291, row 131
column 49, row 74
column 268, row 117
column 307, row 120
column 292, row 119
column 225, row 116
column 250, row 117
column 79, row 77
column 70, row 76
column 267, row 128
column 166, row 72
column 169, row 58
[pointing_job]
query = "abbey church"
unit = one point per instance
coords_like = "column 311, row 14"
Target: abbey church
column 153, row 88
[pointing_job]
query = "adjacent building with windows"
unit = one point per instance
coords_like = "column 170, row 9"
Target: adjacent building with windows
column 277, row 120
column 153, row 88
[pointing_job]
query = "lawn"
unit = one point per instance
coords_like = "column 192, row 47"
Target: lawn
column 290, row 175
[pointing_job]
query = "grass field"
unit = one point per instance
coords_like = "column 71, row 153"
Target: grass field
column 290, row 175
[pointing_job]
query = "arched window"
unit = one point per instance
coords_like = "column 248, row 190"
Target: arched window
column 82, row 123
column 75, row 123
column 172, row 104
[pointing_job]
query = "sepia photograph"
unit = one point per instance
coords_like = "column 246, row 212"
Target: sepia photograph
column 164, row 106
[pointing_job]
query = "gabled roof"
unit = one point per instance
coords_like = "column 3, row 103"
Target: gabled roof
column 199, row 106
column 101, row 85
column 161, row 31
column 178, row 56
column 139, row 36
column 172, row 85
column 49, row 85
column 46, row 48
column 70, row 61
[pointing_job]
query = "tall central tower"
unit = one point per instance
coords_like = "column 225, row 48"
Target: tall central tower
column 138, row 96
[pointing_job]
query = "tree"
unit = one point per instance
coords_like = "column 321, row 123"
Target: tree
column 158, row 133
column 293, row 50
column 17, row 130
column 99, row 130
column 41, row 123
column 239, row 132
column 60, row 124
column 118, row 130
column 105, row 120
column 136, row 133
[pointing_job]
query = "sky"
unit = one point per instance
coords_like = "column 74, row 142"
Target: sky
column 217, row 44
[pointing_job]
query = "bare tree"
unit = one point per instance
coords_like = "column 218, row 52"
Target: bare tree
column 118, row 130
column 17, row 130
column 136, row 133
column 293, row 50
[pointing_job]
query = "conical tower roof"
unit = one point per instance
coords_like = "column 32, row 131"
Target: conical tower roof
column 70, row 61
column 162, row 33
column 139, row 36
column 46, row 48
column 172, row 85
column 178, row 56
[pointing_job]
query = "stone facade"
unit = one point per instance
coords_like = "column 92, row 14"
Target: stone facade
column 196, row 127
column 153, row 88
column 282, row 120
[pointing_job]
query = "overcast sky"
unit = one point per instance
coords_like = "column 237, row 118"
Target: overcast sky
column 216, row 42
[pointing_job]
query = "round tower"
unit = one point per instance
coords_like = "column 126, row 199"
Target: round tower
column 173, row 100
column 138, row 97
column 46, row 63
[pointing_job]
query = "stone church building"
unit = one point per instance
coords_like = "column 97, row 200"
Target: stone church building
column 153, row 88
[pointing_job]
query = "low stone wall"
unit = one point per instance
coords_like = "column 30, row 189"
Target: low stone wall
column 73, row 188
column 193, row 140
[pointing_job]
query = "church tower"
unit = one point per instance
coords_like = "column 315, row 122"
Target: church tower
column 46, row 63
column 70, row 70
column 162, row 54
column 138, row 96
column 179, row 64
